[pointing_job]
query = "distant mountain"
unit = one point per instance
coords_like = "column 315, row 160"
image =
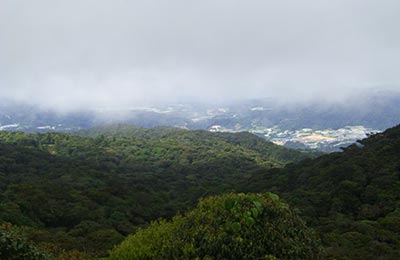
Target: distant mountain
column 313, row 125
column 16, row 116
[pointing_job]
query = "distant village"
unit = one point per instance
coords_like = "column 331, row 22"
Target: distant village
column 325, row 140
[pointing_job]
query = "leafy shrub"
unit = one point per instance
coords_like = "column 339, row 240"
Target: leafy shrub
column 15, row 246
column 231, row 226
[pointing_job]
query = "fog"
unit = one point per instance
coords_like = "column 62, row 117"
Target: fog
column 98, row 53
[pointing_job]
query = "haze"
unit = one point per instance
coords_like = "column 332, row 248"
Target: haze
column 96, row 53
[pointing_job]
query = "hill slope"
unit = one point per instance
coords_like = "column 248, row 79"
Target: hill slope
column 86, row 192
column 162, row 136
column 352, row 198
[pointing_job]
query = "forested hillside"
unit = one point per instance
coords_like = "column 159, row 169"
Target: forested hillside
column 352, row 198
column 87, row 191
column 169, row 138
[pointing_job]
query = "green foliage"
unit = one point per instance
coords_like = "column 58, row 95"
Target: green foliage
column 107, row 182
column 231, row 226
column 352, row 198
column 88, row 191
column 15, row 246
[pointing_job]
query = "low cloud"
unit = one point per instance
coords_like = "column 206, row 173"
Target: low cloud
column 92, row 53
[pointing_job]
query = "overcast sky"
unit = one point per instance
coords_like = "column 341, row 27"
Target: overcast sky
column 75, row 53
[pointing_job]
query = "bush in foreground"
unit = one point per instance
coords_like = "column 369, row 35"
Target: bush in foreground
column 231, row 226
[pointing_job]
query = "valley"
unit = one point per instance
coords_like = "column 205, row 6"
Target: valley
column 199, row 130
column 310, row 126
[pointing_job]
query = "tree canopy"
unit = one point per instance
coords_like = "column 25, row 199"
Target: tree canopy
column 230, row 226
column 85, row 193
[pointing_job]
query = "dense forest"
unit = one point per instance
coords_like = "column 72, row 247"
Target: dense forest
column 85, row 192
column 352, row 198
column 77, row 196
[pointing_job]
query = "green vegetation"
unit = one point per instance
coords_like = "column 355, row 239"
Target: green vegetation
column 15, row 246
column 83, row 194
column 231, row 226
column 352, row 198
column 204, row 143
column 88, row 192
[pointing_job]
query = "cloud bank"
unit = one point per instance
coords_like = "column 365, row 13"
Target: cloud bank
column 91, row 53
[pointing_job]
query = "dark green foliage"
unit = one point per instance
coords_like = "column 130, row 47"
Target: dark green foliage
column 231, row 226
column 15, row 246
column 87, row 192
column 108, row 182
column 352, row 198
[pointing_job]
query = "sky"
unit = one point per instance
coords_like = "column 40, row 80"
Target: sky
column 98, row 53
